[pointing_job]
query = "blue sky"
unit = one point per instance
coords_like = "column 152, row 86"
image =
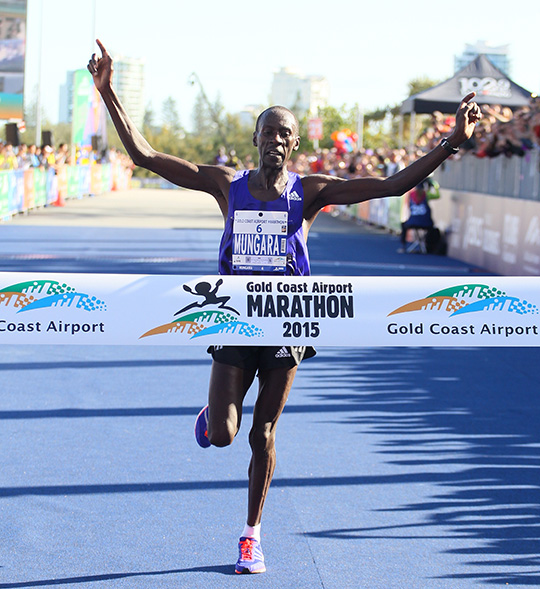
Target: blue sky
column 367, row 51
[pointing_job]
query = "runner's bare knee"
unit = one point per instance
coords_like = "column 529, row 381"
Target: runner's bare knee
column 223, row 432
column 262, row 437
column 228, row 386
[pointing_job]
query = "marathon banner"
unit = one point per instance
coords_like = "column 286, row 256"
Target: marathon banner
column 127, row 309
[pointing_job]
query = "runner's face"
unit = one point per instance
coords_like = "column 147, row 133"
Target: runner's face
column 276, row 138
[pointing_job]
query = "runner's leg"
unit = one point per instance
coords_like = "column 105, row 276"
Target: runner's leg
column 228, row 387
column 274, row 388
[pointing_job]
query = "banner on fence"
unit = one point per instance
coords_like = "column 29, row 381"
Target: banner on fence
column 114, row 309
column 24, row 190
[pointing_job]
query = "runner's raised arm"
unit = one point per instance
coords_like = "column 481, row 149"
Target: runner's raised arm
column 212, row 179
column 324, row 190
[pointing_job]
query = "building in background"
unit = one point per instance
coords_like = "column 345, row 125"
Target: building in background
column 65, row 103
column 497, row 55
column 129, row 84
column 248, row 115
column 302, row 94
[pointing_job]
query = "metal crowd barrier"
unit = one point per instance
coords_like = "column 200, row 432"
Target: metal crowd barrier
column 513, row 177
column 24, row 190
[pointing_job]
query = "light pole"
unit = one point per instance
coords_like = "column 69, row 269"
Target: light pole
column 40, row 76
column 360, row 127
column 93, row 39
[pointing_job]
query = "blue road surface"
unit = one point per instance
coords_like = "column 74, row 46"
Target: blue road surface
column 397, row 467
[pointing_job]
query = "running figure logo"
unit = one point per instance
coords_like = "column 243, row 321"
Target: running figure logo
column 209, row 315
column 203, row 289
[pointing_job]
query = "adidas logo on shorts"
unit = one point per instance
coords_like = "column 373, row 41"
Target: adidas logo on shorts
column 294, row 196
column 283, row 353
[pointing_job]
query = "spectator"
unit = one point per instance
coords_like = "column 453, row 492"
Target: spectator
column 233, row 161
column 419, row 209
column 23, row 157
column 221, row 157
column 47, row 157
column 393, row 163
column 8, row 158
column 33, row 154
column 62, row 156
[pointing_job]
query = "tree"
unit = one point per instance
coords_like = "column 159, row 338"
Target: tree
column 149, row 124
column 170, row 116
column 333, row 119
column 213, row 127
column 417, row 85
column 201, row 117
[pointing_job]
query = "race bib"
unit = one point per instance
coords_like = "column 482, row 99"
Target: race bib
column 260, row 241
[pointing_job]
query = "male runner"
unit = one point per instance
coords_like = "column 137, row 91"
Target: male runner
column 268, row 187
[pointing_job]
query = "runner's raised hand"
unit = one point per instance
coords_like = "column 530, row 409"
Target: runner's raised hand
column 101, row 68
column 467, row 115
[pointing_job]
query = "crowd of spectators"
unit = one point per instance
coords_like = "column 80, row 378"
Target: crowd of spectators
column 356, row 164
column 24, row 157
column 500, row 132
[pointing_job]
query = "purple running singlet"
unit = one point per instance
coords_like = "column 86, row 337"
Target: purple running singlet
column 264, row 237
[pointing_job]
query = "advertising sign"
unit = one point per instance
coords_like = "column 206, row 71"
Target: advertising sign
column 12, row 53
column 315, row 129
column 502, row 234
column 88, row 111
column 114, row 309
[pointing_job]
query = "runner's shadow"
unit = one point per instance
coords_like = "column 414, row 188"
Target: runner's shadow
column 101, row 364
column 223, row 569
column 467, row 419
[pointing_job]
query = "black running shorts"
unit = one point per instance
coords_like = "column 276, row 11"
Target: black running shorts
column 261, row 357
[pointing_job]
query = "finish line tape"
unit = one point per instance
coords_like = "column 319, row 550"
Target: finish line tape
column 344, row 311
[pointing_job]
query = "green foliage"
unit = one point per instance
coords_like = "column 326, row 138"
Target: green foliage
column 213, row 128
column 420, row 84
column 380, row 126
column 170, row 116
column 333, row 119
column 149, row 119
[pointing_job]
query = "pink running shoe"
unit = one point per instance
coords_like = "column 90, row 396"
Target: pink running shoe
column 251, row 559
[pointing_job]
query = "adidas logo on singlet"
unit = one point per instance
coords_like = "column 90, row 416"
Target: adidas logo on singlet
column 294, row 196
column 283, row 353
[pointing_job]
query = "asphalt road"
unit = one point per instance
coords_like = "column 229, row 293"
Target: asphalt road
column 178, row 231
column 397, row 467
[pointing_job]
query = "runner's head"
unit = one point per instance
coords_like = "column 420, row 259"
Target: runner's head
column 280, row 110
column 276, row 136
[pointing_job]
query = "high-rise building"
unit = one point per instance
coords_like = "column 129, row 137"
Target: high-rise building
column 128, row 80
column 302, row 94
column 248, row 115
column 497, row 55
column 65, row 104
column 129, row 84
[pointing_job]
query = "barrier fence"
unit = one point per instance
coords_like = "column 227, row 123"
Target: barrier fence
column 514, row 177
column 24, row 190
column 384, row 212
